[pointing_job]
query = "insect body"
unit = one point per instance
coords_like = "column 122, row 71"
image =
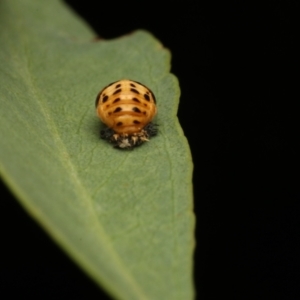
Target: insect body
column 127, row 108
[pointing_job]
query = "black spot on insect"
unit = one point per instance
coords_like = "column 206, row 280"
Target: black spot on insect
column 119, row 124
column 109, row 113
column 147, row 93
column 135, row 109
column 136, row 122
column 117, row 109
column 104, row 99
column 136, row 100
column 147, row 97
column 117, row 91
column 144, row 113
column 145, row 104
column 116, row 100
column 118, row 85
column 134, row 91
column 131, row 84
column 107, row 105
column 153, row 97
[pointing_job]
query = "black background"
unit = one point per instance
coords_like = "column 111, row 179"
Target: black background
column 235, row 62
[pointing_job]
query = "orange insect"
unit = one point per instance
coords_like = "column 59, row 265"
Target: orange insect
column 127, row 108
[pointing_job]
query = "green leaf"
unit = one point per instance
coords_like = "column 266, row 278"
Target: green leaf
column 124, row 216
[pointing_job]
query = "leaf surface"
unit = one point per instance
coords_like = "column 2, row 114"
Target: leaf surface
column 124, row 216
